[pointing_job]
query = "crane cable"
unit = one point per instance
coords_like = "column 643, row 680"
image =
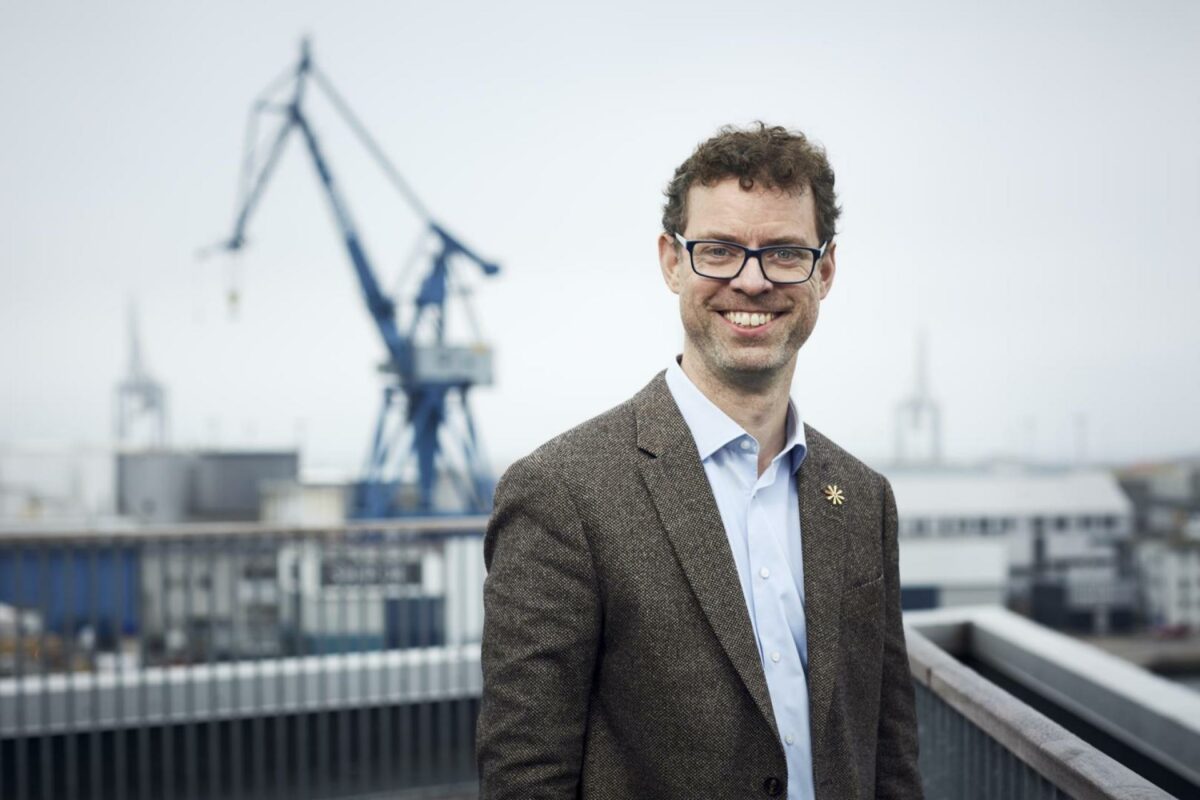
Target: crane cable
column 361, row 132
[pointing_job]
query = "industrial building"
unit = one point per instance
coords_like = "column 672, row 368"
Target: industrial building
column 946, row 573
column 1166, row 499
column 1052, row 542
column 1170, row 583
column 1066, row 534
column 418, row 594
column 170, row 486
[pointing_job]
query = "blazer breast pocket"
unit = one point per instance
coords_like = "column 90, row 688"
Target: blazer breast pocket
column 863, row 582
column 862, row 606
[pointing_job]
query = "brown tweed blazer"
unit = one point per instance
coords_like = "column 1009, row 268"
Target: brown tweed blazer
column 618, row 656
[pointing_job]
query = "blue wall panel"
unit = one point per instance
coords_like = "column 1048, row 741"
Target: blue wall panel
column 74, row 587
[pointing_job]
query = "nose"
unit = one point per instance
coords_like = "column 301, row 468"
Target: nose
column 752, row 279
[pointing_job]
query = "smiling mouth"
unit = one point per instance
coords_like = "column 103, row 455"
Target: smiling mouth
column 749, row 319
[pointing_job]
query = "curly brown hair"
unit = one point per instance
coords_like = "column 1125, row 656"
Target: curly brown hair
column 771, row 156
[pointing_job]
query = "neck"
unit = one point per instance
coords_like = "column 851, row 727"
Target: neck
column 756, row 401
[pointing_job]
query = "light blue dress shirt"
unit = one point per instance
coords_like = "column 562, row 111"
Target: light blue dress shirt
column 761, row 514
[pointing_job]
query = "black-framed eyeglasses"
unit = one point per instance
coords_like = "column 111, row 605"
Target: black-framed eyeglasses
column 724, row 261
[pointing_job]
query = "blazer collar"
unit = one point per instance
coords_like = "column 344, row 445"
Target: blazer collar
column 675, row 479
column 660, row 426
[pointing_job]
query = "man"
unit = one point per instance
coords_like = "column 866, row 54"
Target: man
column 695, row 595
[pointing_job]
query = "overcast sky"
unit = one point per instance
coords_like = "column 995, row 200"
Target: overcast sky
column 1020, row 179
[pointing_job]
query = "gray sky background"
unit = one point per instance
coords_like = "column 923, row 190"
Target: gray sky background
column 1020, row 179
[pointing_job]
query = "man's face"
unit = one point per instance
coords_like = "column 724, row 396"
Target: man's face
column 741, row 355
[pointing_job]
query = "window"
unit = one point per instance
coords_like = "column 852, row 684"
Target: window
column 259, row 570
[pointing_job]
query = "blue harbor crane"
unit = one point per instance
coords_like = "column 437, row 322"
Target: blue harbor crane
column 424, row 430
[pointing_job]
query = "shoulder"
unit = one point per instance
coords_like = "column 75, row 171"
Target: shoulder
column 606, row 444
column 586, row 448
column 544, row 490
column 613, row 431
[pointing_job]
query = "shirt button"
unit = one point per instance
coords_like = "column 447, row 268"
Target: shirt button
column 745, row 444
column 789, row 739
column 766, row 573
column 775, row 656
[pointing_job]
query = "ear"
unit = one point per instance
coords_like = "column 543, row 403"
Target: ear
column 826, row 268
column 669, row 261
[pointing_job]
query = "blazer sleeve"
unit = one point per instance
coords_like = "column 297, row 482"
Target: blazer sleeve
column 541, row 631
column 896, row 771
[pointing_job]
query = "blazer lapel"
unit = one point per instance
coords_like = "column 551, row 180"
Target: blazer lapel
column 684, row 500
column 824, row 542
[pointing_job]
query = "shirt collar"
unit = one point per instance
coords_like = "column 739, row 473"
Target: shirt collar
column 713, row 429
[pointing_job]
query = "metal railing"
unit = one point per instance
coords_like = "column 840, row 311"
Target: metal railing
column 250, row 661
column 241, row 661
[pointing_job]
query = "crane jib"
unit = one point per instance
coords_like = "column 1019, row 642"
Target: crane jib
column 420, row 462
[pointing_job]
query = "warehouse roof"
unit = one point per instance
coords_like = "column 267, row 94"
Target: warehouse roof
column 939, row 493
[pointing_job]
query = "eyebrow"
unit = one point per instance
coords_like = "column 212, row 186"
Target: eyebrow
column 774, row 241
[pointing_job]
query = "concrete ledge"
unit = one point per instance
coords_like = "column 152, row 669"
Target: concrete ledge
column 1057, row 754
column 1152, row 715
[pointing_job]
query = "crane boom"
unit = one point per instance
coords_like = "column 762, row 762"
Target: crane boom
column 430, row 378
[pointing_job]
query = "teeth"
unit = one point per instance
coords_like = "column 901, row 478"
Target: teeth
column 746, row 319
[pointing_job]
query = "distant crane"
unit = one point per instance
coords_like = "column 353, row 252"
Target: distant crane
column 431, row 378
column 139, row 395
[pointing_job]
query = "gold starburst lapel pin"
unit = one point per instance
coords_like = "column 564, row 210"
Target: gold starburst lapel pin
column 834, row 495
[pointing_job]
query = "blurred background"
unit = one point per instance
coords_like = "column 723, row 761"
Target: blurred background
column 1012, row 336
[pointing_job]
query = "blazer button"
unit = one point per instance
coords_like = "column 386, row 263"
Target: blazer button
column 772, row 786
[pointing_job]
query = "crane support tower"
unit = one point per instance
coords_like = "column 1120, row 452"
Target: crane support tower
column 424, row 431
